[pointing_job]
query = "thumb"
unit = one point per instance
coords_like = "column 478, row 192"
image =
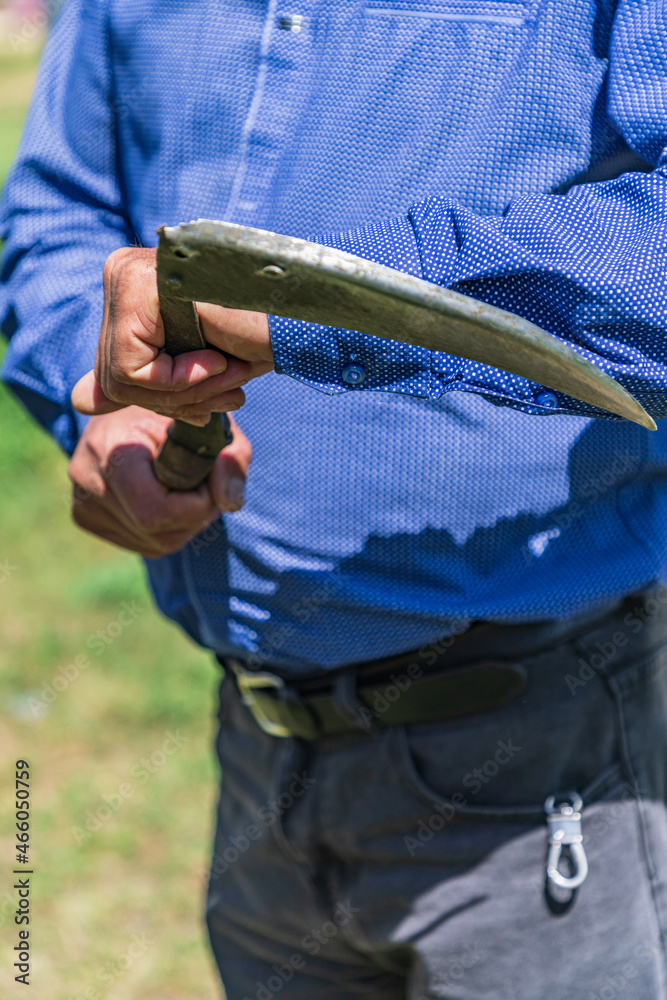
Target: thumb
column 227, row 479
column 88, row 397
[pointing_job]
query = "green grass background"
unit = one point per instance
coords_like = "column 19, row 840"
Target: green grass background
column 138, row 881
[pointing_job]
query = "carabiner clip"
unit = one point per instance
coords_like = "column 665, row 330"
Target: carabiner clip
column 564, row 822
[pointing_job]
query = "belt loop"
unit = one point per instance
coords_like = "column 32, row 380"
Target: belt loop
column 347, row 702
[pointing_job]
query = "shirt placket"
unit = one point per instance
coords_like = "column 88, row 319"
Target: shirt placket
column 283, row 66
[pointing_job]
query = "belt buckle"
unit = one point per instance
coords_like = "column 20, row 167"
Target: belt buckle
column 249, row 681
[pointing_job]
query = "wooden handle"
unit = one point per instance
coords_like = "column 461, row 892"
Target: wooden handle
column 189, row 453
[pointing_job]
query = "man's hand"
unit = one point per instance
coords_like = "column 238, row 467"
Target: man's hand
column 117, row 496
column 130, row 369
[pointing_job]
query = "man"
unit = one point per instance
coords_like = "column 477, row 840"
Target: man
column 448, row 576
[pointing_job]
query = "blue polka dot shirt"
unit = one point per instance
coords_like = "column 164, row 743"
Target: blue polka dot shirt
column 512, row 150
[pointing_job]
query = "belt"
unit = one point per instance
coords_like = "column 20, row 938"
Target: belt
column 447, row 679
column 351, row 702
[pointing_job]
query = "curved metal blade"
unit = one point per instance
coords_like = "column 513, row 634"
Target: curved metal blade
column 244, row 268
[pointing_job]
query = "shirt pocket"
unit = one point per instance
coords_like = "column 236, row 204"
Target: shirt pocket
column 510, row 13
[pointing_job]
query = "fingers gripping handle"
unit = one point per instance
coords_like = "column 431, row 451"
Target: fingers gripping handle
column 189, row 453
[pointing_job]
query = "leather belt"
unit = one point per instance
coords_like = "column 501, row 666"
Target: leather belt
column 350, row 702
column 452, row 677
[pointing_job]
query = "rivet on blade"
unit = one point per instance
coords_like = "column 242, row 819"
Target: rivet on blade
column 272, row 271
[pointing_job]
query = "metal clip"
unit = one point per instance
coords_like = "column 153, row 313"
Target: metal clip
column 564, row 822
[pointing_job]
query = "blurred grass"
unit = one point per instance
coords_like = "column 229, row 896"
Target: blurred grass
column 17, row 73
column 137, row 881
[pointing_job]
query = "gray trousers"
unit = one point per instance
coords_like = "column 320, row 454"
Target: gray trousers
column 410, row 864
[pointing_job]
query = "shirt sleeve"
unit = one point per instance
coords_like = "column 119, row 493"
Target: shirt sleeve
column 588, row 266
column 61, row 217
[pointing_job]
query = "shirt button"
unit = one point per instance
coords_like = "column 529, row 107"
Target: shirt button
column 353, row 374
column 291, row 22
column 547, row 399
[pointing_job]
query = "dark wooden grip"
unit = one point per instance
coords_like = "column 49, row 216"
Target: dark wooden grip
column 189, row 453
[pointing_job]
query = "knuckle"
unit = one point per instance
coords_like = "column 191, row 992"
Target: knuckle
column 159, row 407
column 115, row 263
column 118, row 374
column 193, row 413
column 73, row 470
column 179, row 399
column 169, row 400
column 109, row 268
column 83, row 486
column 179, row 382
column 80, row 495
column 234, row 399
